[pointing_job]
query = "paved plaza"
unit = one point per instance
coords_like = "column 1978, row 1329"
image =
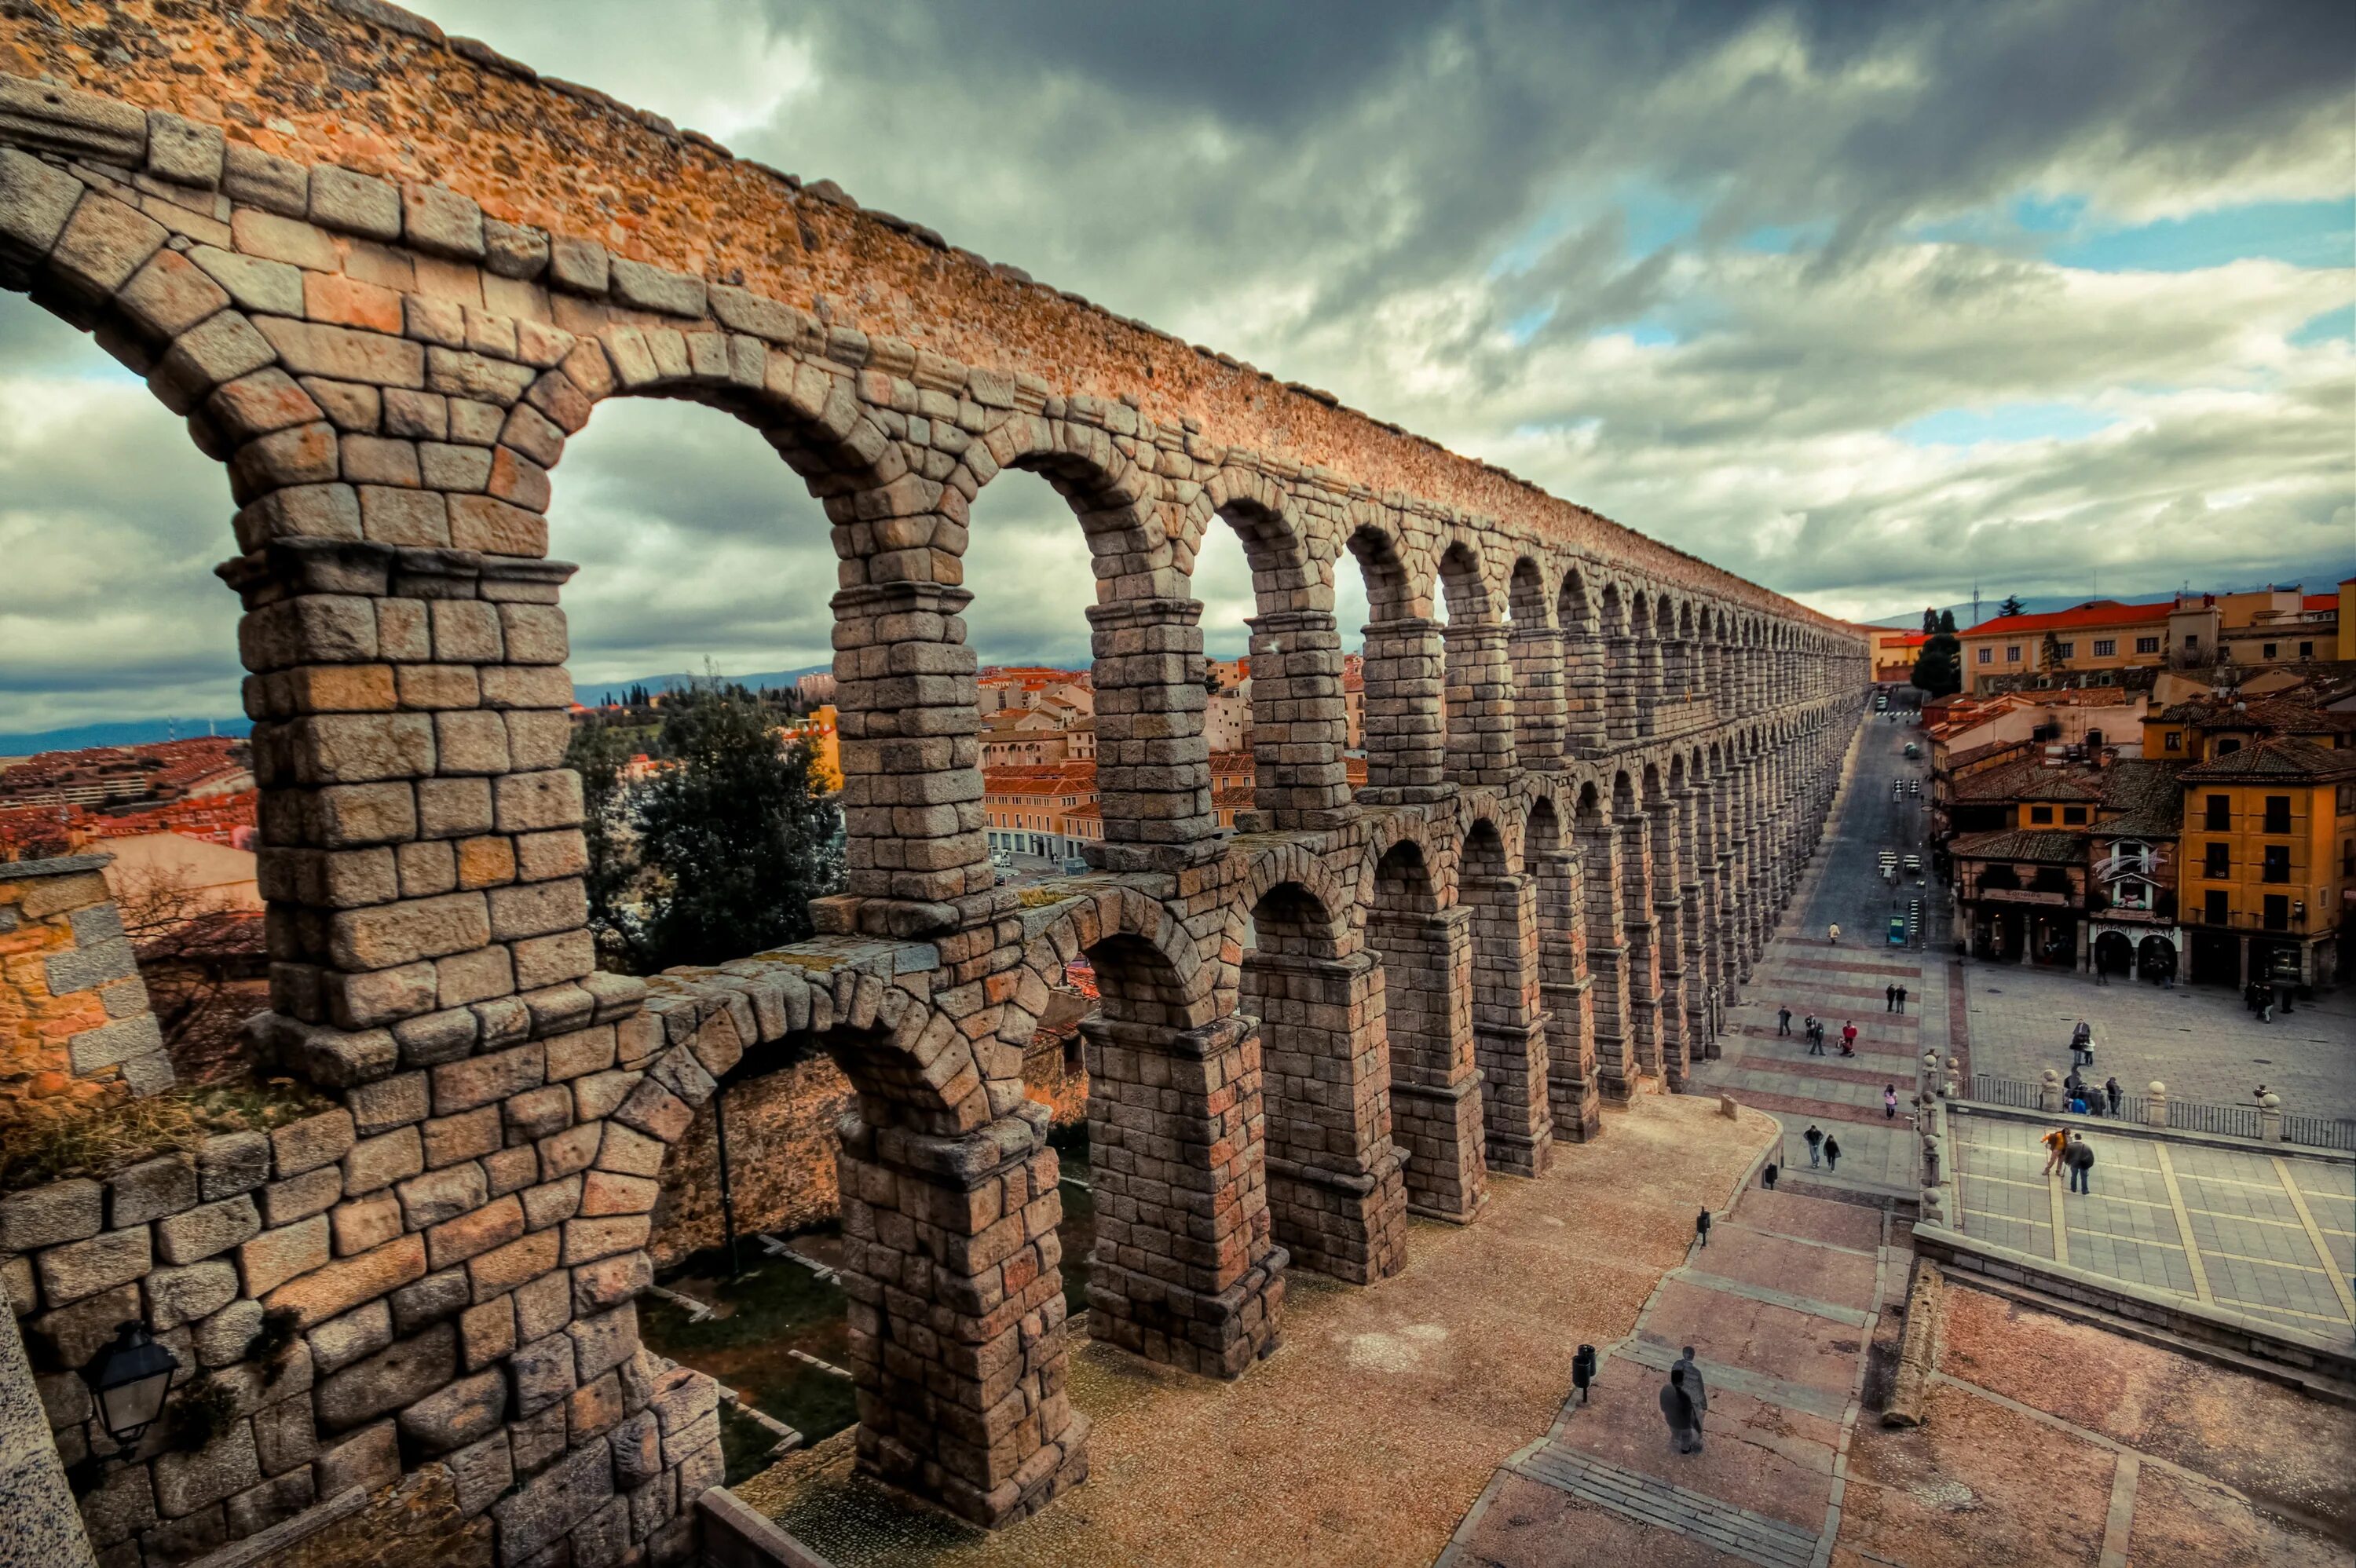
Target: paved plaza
column 2267, row 1234
column 2199, row 1040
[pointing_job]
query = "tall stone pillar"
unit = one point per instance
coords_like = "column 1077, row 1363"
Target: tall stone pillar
column 1607, row 956
column 1623, row 682
column 1153, row 768
column 1301, row 728
column 1336, row 1182
column 1584, row 687
column 1563, row 989
column 1641, row 960
column 1698, row 848
column 1480, row 705
column 1405, row 734
column 1650, row 686
column 1435, row 1087
column 1186, row 1270
column 1509, row 1030
column 1727, row 895
column 1537, row 690
column 1668, row 945
column 956, row 1315
column 918, row 856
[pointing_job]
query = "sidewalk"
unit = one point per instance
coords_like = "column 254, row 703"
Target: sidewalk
column 1779, row 1308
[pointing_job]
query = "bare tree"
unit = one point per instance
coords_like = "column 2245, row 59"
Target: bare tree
column 193, row 944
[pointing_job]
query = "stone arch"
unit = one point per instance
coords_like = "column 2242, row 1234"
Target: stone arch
column 1336, row 1190
column 1534, row 658
column 1425, row 948
column 1404, row 665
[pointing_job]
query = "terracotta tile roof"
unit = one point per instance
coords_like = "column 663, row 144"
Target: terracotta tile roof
column 2143, row 798
column 2096, row 613
column 2283, row 757
column 2021, row 844
column 2032, row 780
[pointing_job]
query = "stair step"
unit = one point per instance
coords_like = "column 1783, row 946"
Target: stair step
column 1648, row 1499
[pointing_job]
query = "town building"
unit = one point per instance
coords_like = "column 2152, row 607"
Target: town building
column 2102, row 637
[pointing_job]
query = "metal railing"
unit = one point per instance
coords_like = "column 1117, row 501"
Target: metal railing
column 2185, row 1115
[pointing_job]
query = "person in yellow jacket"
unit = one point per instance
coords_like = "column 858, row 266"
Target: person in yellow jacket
column 2057, row 1142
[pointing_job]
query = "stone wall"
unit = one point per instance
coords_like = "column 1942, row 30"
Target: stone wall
column 74, row 1021
column 781, row 1161
column 386, row 275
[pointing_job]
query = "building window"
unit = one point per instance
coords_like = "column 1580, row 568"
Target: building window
column 2278, row 813
column 2070, row 650
column 2217, row 862
column 2266, row 650
column 2147, row 645
column 2041, row 814
column 2218, row 816
column 2012, row 654
column 2277, row 864
column 2073, row 815
column 2277, row 911
column 2173, row 741
column 2229, row 745
column 2191, row 642
column 2306, row 650
column 2104, row 647
column 2134, row 895
column 2214, row 911
column 1987, row 654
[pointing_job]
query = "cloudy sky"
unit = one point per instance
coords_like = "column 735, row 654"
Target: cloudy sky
column 1865, row 303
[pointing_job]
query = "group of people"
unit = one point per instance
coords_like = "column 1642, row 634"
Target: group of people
column 2084, row 1099
column 1813, row 1028
column 2070, row 1150
column 1894, row 998
column 2259, row 999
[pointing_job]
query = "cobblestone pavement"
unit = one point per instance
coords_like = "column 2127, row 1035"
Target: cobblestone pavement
column 2199, row 1040
column 1839, row 984
column 1386, row 1408
column 1778, row 1308
column 2262, row 1234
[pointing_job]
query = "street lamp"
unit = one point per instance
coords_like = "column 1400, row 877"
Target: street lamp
column 129, row 1378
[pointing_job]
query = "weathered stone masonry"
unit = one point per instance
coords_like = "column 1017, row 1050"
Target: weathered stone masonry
column 386, row 275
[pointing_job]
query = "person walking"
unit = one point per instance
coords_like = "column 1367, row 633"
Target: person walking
column 1815, row 1036
column 1832, row 935
column 1889, row 1102
column 1832, row 1155
column 1767, row 1177
column 2113, row 1092
column 1815, row 1140
column 1696, row 1389
column 2082, row 1164
column 1701, row 1228
column 1678, row 1410
column 1783, row 1020
column 1901, row 999
column 2057, row 1144
column 1890, row 998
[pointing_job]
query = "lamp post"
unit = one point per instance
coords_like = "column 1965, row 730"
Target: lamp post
column 129, row 1380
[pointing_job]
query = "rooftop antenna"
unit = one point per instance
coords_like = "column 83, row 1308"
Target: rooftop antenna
column 1976, row 601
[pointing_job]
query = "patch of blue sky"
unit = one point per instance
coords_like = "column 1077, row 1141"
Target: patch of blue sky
column 2332, row 324
column 1651, row 216
column 2003, row 423
column 2063, row 231
column 1528, row 325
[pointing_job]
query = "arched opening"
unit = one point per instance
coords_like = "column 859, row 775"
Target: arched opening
column 1477, row 698
column 1401, row 725
column 1426, row 957
column 1508, row 1026
column 1536, row 648
column 1619, row 672
column 1336, row 1190
column 1187, row 1269
column 1583, row 673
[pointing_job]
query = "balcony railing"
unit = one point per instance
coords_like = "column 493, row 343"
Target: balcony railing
column 2243, row 919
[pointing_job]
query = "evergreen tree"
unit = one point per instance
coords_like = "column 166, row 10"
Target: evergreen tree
column 736, row 836
column 598, row 754
column 2011, row 605
column 1939, row 667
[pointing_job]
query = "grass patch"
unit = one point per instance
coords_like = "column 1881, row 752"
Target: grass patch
column 744, row 1444
column 776, row 1308
column 1040, row 896
column 47, row 1140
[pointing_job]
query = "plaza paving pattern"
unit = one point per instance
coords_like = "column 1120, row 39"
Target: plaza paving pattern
column 2268, row 1234
column 1386, row 1410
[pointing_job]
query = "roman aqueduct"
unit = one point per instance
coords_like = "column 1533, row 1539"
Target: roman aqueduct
column 386, row 275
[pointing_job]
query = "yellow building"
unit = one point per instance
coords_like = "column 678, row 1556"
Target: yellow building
column 818, row 733
column 2101, row 637
column 2267, row 863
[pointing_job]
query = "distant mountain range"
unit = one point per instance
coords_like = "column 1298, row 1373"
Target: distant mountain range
column 590, row 693
column 118, row 732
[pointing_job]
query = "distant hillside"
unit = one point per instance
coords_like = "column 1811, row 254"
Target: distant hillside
column 121, row 732
column 590, row 693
